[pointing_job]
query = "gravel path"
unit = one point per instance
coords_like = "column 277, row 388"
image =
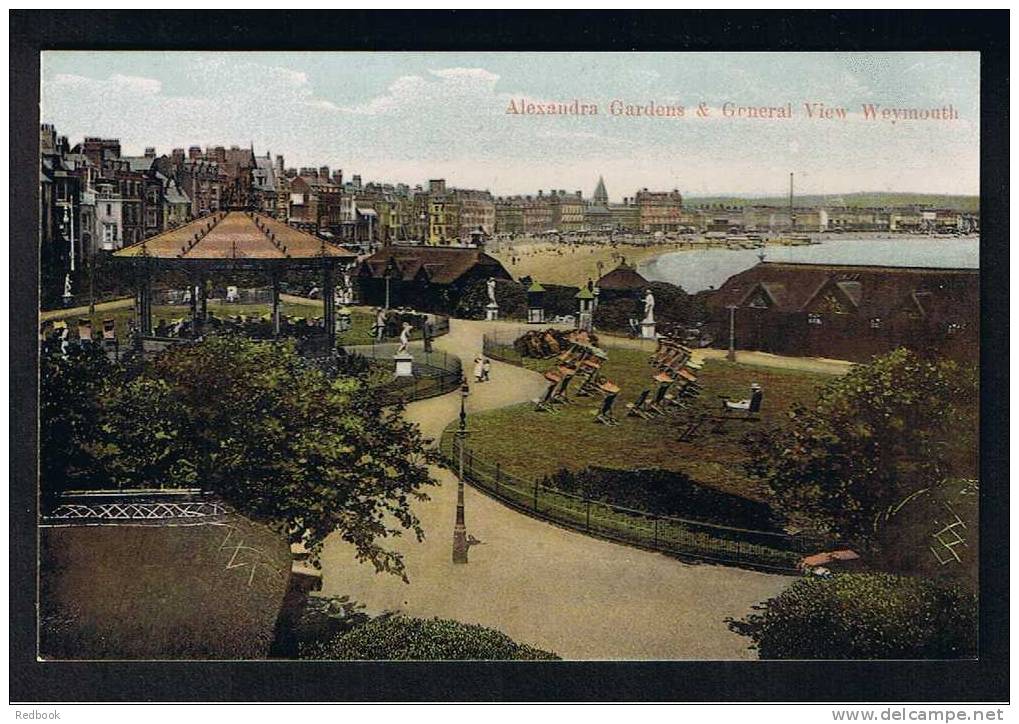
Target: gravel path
column 540, row 584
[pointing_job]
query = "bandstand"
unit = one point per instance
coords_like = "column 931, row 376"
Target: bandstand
column 236, row 241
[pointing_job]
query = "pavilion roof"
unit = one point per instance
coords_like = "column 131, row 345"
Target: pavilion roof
column 235, row 236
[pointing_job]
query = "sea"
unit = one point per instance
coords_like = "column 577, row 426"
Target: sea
column 709, row 268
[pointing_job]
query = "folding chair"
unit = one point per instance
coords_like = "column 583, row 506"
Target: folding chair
column 748, row 409
column 638, row 408
column 657, row 405
column 605, row 416
column 693, row 427
column 560, row 395
column 544, row 403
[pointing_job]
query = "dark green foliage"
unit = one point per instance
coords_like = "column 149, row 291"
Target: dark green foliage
column 882, row 431
column 254, row 422
column 673, row 307
column 417, row 639
column 71, row 392
column 510, row 295
column 906, row 534
column 663, row 492
column 864, row 616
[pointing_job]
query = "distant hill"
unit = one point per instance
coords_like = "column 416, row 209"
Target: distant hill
column 969, row 204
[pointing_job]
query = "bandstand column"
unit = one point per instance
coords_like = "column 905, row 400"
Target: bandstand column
column 145, row 305
column 329, row 304
column 275, row 304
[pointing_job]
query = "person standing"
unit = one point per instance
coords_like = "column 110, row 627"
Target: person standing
column 479, row 370
column 486, row 369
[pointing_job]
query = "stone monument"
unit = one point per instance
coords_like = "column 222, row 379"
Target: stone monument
column 492, row 308
column 647, row 325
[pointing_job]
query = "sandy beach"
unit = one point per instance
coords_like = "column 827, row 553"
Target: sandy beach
column 552, row 263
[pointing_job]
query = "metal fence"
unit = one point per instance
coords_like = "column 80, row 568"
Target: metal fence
column 435, row 373
column 763, row 550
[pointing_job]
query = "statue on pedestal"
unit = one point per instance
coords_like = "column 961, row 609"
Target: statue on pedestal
column 649, row 308
column 67, row 285
column 490, row 284
column 404, row 337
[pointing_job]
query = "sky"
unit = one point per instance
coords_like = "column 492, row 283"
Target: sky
column 409, row 117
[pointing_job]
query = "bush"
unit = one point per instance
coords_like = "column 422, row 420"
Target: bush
column 403, row 638
column 864, row 616
column 673, row 307
column 884, row 430
column 511, row 296
column 663, row 492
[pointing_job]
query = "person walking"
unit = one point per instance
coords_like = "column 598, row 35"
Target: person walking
column 486, row 369
column 479, row 370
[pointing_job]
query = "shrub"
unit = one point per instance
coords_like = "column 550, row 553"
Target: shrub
column 884, row 430
column 864, row 616
column 673, row 307
column 663, row 492
column 510, row 295
column 403, row 638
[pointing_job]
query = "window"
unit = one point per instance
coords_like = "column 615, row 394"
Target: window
column 875, row 323
column 109, row 209
column 814, row 319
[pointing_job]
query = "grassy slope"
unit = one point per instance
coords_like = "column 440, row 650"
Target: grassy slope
column 531, row 444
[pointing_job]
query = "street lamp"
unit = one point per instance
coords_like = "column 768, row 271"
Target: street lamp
column 388, row 273
column 460, row 529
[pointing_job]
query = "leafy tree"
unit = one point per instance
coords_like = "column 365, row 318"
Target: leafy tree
column 284, row 442
column 71, row 390
column 402, row 638
column 254, row 422
column 864, row 616
column 874, row 436
column 673, row 307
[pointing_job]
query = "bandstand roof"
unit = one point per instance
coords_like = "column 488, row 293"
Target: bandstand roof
column 236, row 238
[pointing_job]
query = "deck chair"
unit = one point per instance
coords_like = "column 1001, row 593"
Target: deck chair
column 748, row 409
column 638, row 408
column 605, row 416
column 589, row 372
column 561, row 396
column 693, row 426
column 657, row 405
column 544, row 403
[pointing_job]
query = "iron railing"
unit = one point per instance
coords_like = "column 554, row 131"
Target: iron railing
column 689, row 539
column 434, row 373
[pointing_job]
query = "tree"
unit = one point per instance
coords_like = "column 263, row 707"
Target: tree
column 285, row 443
column 71, row 391
column 864, row 616
column 402, row 638
column 875, row 435
column 256, row 423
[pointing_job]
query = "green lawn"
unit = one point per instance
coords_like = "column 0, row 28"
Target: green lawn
column 531, row 444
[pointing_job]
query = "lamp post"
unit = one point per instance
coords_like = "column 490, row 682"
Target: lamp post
column 460, row 528
column 731, row 356
column 388, row 273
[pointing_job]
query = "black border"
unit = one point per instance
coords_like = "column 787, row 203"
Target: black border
column 984, row 31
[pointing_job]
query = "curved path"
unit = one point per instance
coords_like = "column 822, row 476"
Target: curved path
column 543, row 585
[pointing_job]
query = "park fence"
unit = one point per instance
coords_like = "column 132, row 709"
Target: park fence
column 688, row 539
column 435, row 373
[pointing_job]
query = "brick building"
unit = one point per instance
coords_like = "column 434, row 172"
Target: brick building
column 849, row 312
